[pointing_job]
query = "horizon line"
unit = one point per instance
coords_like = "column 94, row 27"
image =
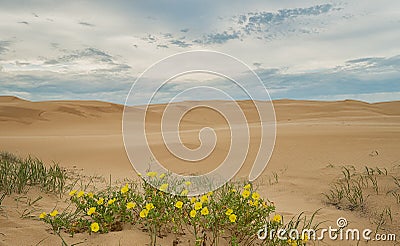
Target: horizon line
column 239, row 100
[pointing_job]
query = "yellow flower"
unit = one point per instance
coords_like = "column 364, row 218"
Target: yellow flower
column 292, row 242
column 233, row 190
column 162, row 175
column 204, row 211
column 100, row 201
column 179, row 204
column 54, row 213
column 198, row 205
column 247, row 187
column 144, row 213
column 255, row 196
column 91, row 211
column 125, row 189
column 204, row 199
column 111, row 201
column 94, row 227
column 81, row 193
column 229, row 211
column 246, row 193
column 42, row 215
column 130, row 205
column 163, row 187
column 187, row 183
column 152, row 174
column 253, row 203
column 149, row 206
column 265, row 205
column 193, row 200
column 210, row 193
column 72, row 192
column 90, row 194
column 184, row 193
column 193, row 213
column 232, row 218
column 277, row 218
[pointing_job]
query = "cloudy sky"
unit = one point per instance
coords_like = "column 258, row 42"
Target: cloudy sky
column 301, row 49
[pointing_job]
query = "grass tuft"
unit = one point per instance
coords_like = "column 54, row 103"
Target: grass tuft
column 17, row 175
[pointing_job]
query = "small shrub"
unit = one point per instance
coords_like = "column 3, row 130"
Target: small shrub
column 234, row 213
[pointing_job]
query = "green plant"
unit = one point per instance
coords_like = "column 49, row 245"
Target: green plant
column 380, row 219
column 347, row 192
column 16, row 175
column 396, row 181
column 235, row 212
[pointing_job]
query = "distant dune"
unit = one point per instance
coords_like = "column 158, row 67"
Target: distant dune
column 88, row 133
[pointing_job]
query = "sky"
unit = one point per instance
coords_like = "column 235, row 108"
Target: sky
column 301, row 49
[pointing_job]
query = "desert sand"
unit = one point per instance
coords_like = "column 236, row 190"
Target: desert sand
column 314, row 139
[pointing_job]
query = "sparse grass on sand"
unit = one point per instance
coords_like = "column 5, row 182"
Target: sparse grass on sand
column 17, row 175
column 372, row 192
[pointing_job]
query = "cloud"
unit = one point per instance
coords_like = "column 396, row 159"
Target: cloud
column 254, row 21
column 4, row 44
column 219, row 38
column 150, row 38
column 257, row 64
column 328, row 84
column 271, row 25
column 88, row 73
column 371, row 76
column 38, row 85
column 86, row 24
column 377, row 64
column 180, row 43
column 162, row 46
column 302, row 49
column 378, row 84
column 254, row 25
column 85, row 53
column 89, row 60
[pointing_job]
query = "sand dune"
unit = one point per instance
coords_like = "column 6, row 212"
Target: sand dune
column 88, row 133
column 313, row 140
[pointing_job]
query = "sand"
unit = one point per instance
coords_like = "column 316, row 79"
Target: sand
column 314, row 139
